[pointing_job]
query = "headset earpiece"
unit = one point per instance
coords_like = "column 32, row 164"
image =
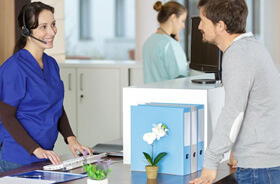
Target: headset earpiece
column 25, row 32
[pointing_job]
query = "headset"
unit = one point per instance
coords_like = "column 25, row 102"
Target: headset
column 26, row 32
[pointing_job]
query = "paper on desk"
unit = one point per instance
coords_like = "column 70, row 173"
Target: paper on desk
column 15, row 180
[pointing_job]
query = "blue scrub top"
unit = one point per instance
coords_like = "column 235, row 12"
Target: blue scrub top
column 38, row 96
column 164, row 59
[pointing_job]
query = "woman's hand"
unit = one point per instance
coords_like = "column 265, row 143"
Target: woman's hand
column 47, row 154
column 74, row 146
column 177, row 37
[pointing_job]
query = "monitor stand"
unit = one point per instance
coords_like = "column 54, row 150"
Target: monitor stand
column 204, row 81
column 218, row 77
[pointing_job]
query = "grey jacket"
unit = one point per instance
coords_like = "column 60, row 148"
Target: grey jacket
column 249, row 123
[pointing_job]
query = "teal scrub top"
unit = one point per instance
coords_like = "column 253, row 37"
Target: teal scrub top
column 164, row 59
column 38, row 97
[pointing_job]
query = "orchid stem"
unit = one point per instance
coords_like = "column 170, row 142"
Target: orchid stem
column 153, row 154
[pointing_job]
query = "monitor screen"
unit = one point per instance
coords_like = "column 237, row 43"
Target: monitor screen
column 205, row 57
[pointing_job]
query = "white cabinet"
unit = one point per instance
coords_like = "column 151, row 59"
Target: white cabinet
column 99, row 104
column 93, row 100
column 136, row 76
column 68, row 75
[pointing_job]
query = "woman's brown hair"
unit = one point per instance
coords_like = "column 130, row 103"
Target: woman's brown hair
column 31, row 13
column 167, row 9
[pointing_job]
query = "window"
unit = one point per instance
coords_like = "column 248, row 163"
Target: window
column 254, row 17
column 99, row 29
column 120, row 19
column 85, row 20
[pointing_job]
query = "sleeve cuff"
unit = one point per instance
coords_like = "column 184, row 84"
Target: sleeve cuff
column 210, row 165
column 32, row 148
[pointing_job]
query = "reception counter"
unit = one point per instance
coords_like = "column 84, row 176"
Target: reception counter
column 174, row 91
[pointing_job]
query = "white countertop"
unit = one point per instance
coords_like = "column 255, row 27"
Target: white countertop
column 181, row 83
column 100, row 63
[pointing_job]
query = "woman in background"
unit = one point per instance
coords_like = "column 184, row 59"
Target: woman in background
column 31, row 95
column 164, row 58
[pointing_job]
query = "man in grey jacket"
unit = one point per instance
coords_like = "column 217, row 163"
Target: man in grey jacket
column 249, row 123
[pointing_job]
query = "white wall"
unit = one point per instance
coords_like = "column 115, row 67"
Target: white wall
column 146, row 24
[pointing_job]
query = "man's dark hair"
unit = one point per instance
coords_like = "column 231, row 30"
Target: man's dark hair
column 232, row 12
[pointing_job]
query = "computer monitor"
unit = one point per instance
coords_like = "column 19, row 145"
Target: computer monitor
column 205, row 57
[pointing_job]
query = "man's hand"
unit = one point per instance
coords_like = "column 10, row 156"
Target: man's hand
column 232, row 161
column 207, row 177
column 48, row 154
column 74, row 146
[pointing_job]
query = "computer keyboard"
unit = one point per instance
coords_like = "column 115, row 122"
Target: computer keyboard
column 74, row 163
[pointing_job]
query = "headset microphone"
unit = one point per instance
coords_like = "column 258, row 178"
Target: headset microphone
column 25, row 31
column 38, row 39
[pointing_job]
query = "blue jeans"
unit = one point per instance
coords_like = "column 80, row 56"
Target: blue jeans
column 5, row 166
column 258, row 176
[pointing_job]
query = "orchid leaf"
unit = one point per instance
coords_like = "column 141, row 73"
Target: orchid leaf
column 159, row 157
column 146, row 162
column 148, row 158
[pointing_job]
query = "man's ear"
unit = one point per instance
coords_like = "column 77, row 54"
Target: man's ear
column 221, row 26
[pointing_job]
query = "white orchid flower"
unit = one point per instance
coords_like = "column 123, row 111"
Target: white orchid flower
column 149, row 137
column 159, row 130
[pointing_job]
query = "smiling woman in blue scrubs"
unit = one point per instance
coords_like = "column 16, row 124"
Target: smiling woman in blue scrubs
column 31, row 95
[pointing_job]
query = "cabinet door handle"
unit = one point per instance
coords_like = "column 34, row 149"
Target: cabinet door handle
column 69, row 82
column 81, row 82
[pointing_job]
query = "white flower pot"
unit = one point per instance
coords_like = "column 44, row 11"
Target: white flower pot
column 89, row 181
